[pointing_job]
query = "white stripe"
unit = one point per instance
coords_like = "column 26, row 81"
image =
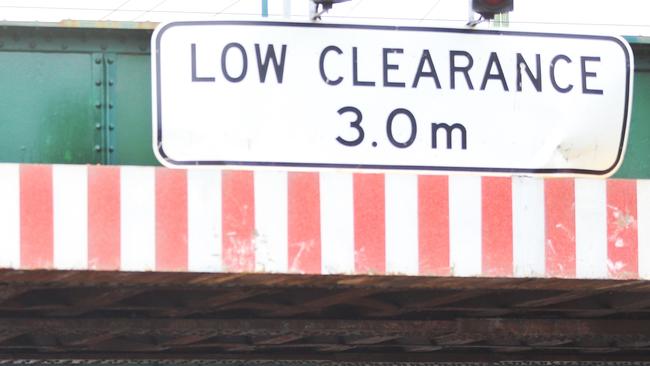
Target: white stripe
column 528, row 252
column 591, row 228
column 204, row 220
column 271, row 249
column 10, row 216
column 643, row 226
column 337, row 223
column 138, row 215
column 465, row 228
column 401, row 224
column 70, row 206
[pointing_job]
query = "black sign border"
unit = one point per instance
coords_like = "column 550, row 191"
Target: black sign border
column 176, row 163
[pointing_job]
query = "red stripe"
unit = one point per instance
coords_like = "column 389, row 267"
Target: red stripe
column 622, row 245
column 497, row 226
column 103, row 218
column 560, row 227
column 171, row 220
column 36, row 217
column 304, row 223
column 369, row 224
column 433, row 225
column 238, row 221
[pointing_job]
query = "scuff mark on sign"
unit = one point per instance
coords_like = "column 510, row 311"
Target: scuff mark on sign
column 304, row 247
column 568, row 151
column 239, row 252
column 614, row 266
column 622, row 221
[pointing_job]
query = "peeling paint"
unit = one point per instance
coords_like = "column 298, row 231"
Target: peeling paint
column 566, row 230
column 623, row 221
column 615, row 266
column 239, row 252
column 303, row 247
column 549, row 246
column 619, row 243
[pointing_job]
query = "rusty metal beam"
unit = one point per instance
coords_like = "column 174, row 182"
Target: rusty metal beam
column 525, row 330
column 372, row 340
column 445, row 299
column 132, row 327
column 224, row 327
column 91, row 340
column 459, row 339
column 97, row 301
column 212, row 303
column 325, row 359
column 281, row 339
column 635, row 304
column 554, row 299
column 578, row 293
column 225, row 346
column 335, row 348
column 321, row 302
column 187, row 339
column 51, row 279
column 378, row 306
column 9, row 333
column 10, row 292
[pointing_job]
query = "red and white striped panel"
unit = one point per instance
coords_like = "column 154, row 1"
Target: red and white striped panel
column 145, row 219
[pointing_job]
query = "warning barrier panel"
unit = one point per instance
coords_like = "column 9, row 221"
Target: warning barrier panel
column 157, row 219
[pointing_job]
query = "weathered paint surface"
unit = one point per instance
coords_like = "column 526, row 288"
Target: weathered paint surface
column 75, row 96
column 145, row 219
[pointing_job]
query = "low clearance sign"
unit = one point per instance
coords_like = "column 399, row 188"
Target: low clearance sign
column 378, row 97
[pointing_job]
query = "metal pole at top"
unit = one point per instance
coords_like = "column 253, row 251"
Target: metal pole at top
column 312, row 10
column 287, row 9
column 470, row 14
column 265, row 8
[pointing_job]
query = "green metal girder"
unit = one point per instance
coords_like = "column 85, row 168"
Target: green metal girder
column 131, row 115
column 46, row 115
column 59, row 95
column 636, row 162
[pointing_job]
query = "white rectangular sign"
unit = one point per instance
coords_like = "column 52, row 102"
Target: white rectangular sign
column 379, row 97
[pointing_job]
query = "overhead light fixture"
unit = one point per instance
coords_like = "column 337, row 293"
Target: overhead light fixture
column 325, row 6
column 489, row 8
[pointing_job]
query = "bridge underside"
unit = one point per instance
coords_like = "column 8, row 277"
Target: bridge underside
column 66, row 315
